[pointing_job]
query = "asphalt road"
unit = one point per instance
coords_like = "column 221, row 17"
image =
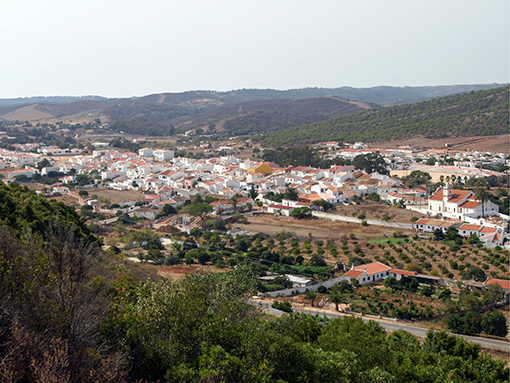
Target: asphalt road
column 485, row 343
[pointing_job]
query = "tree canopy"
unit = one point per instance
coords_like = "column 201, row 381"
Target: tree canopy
column 370, row 163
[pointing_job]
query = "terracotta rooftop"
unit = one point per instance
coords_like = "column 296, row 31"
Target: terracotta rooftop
column 470, row 227
column 501, row 282
column 353, row 273
column 470, row 204
column 373, row 268
column 456, row 196
column 404, row 272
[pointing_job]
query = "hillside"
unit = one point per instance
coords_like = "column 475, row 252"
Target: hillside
column 164, row 107
column 472, row 114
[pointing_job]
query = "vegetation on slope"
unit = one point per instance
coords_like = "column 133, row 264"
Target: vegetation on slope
column 71, row 313
column 472, row 114
column 22, row 211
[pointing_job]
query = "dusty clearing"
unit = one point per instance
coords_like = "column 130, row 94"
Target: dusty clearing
column 377, row 211
column 180, row 271
column 116, row 196
column 499, row 143
column 318, row 228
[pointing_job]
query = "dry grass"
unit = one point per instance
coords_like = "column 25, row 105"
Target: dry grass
column 499, row 143
column 116, row 196
column 318, row 228
column 377, row 211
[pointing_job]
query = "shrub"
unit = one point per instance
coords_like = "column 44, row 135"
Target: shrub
column 283, row 306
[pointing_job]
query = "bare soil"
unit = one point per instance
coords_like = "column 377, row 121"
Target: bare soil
column 377, row 211
column 499, row 143
column 180, row 271
column 318, row 228
column 117, row 196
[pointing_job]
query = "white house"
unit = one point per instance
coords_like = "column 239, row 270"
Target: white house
column 145, row 152
column 459, row 203
column 280, row 209
column 369, row 273
column 163, row 155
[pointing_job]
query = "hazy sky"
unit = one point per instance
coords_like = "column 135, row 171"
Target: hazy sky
column 119, row 48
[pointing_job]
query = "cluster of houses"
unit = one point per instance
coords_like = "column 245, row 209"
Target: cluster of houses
column 168, row 180
column 413, row 158
column 489, row 236
column 377, row 272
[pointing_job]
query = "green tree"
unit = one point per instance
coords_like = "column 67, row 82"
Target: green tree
column 326, row 206
column 291, row 193
column 494, row 323
column 253, row 193
column 311, row 296
column 167, row 210
column 336, row 299
column 345, row 334
column 302, row 213
column 474, row 272
column 482, row 194
column 200, row 209
column 417, row 177
column 370, row 163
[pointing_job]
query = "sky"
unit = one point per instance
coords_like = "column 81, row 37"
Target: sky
column 123, row 48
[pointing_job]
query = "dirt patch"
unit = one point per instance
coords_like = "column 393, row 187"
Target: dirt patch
column 180, row 271
column 117, row 196
column 499, row 143
column 377, row 211
column 318, row 228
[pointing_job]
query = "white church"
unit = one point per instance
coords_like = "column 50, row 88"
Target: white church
column 455, row 203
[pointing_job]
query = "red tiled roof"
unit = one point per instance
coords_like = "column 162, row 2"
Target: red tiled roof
column 403, row 272
column 501, row 282
column 456, row 196
column 470, row 227
column 487, row 229
column 470, row 204
column 311, row 197
column 353, row 273
column 373, row 268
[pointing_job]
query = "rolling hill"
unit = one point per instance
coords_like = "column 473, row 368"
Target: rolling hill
column 237, row 112
column 471, row 114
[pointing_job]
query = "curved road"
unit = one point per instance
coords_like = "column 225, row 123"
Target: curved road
column 421, row 332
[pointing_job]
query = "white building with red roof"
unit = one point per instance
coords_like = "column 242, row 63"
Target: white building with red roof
column 369, row 273
column 503, row 283
column 460, row 204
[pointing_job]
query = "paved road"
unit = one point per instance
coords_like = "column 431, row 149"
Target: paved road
column 389, row 326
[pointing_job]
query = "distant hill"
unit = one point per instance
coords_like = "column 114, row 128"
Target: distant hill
column 236, row 112
column 55, row 100
column 470, row 114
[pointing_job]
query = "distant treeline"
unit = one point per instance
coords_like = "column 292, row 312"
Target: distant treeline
column 469, row 114
column 261, row 121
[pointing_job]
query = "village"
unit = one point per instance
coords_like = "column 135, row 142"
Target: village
column 242, row 185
